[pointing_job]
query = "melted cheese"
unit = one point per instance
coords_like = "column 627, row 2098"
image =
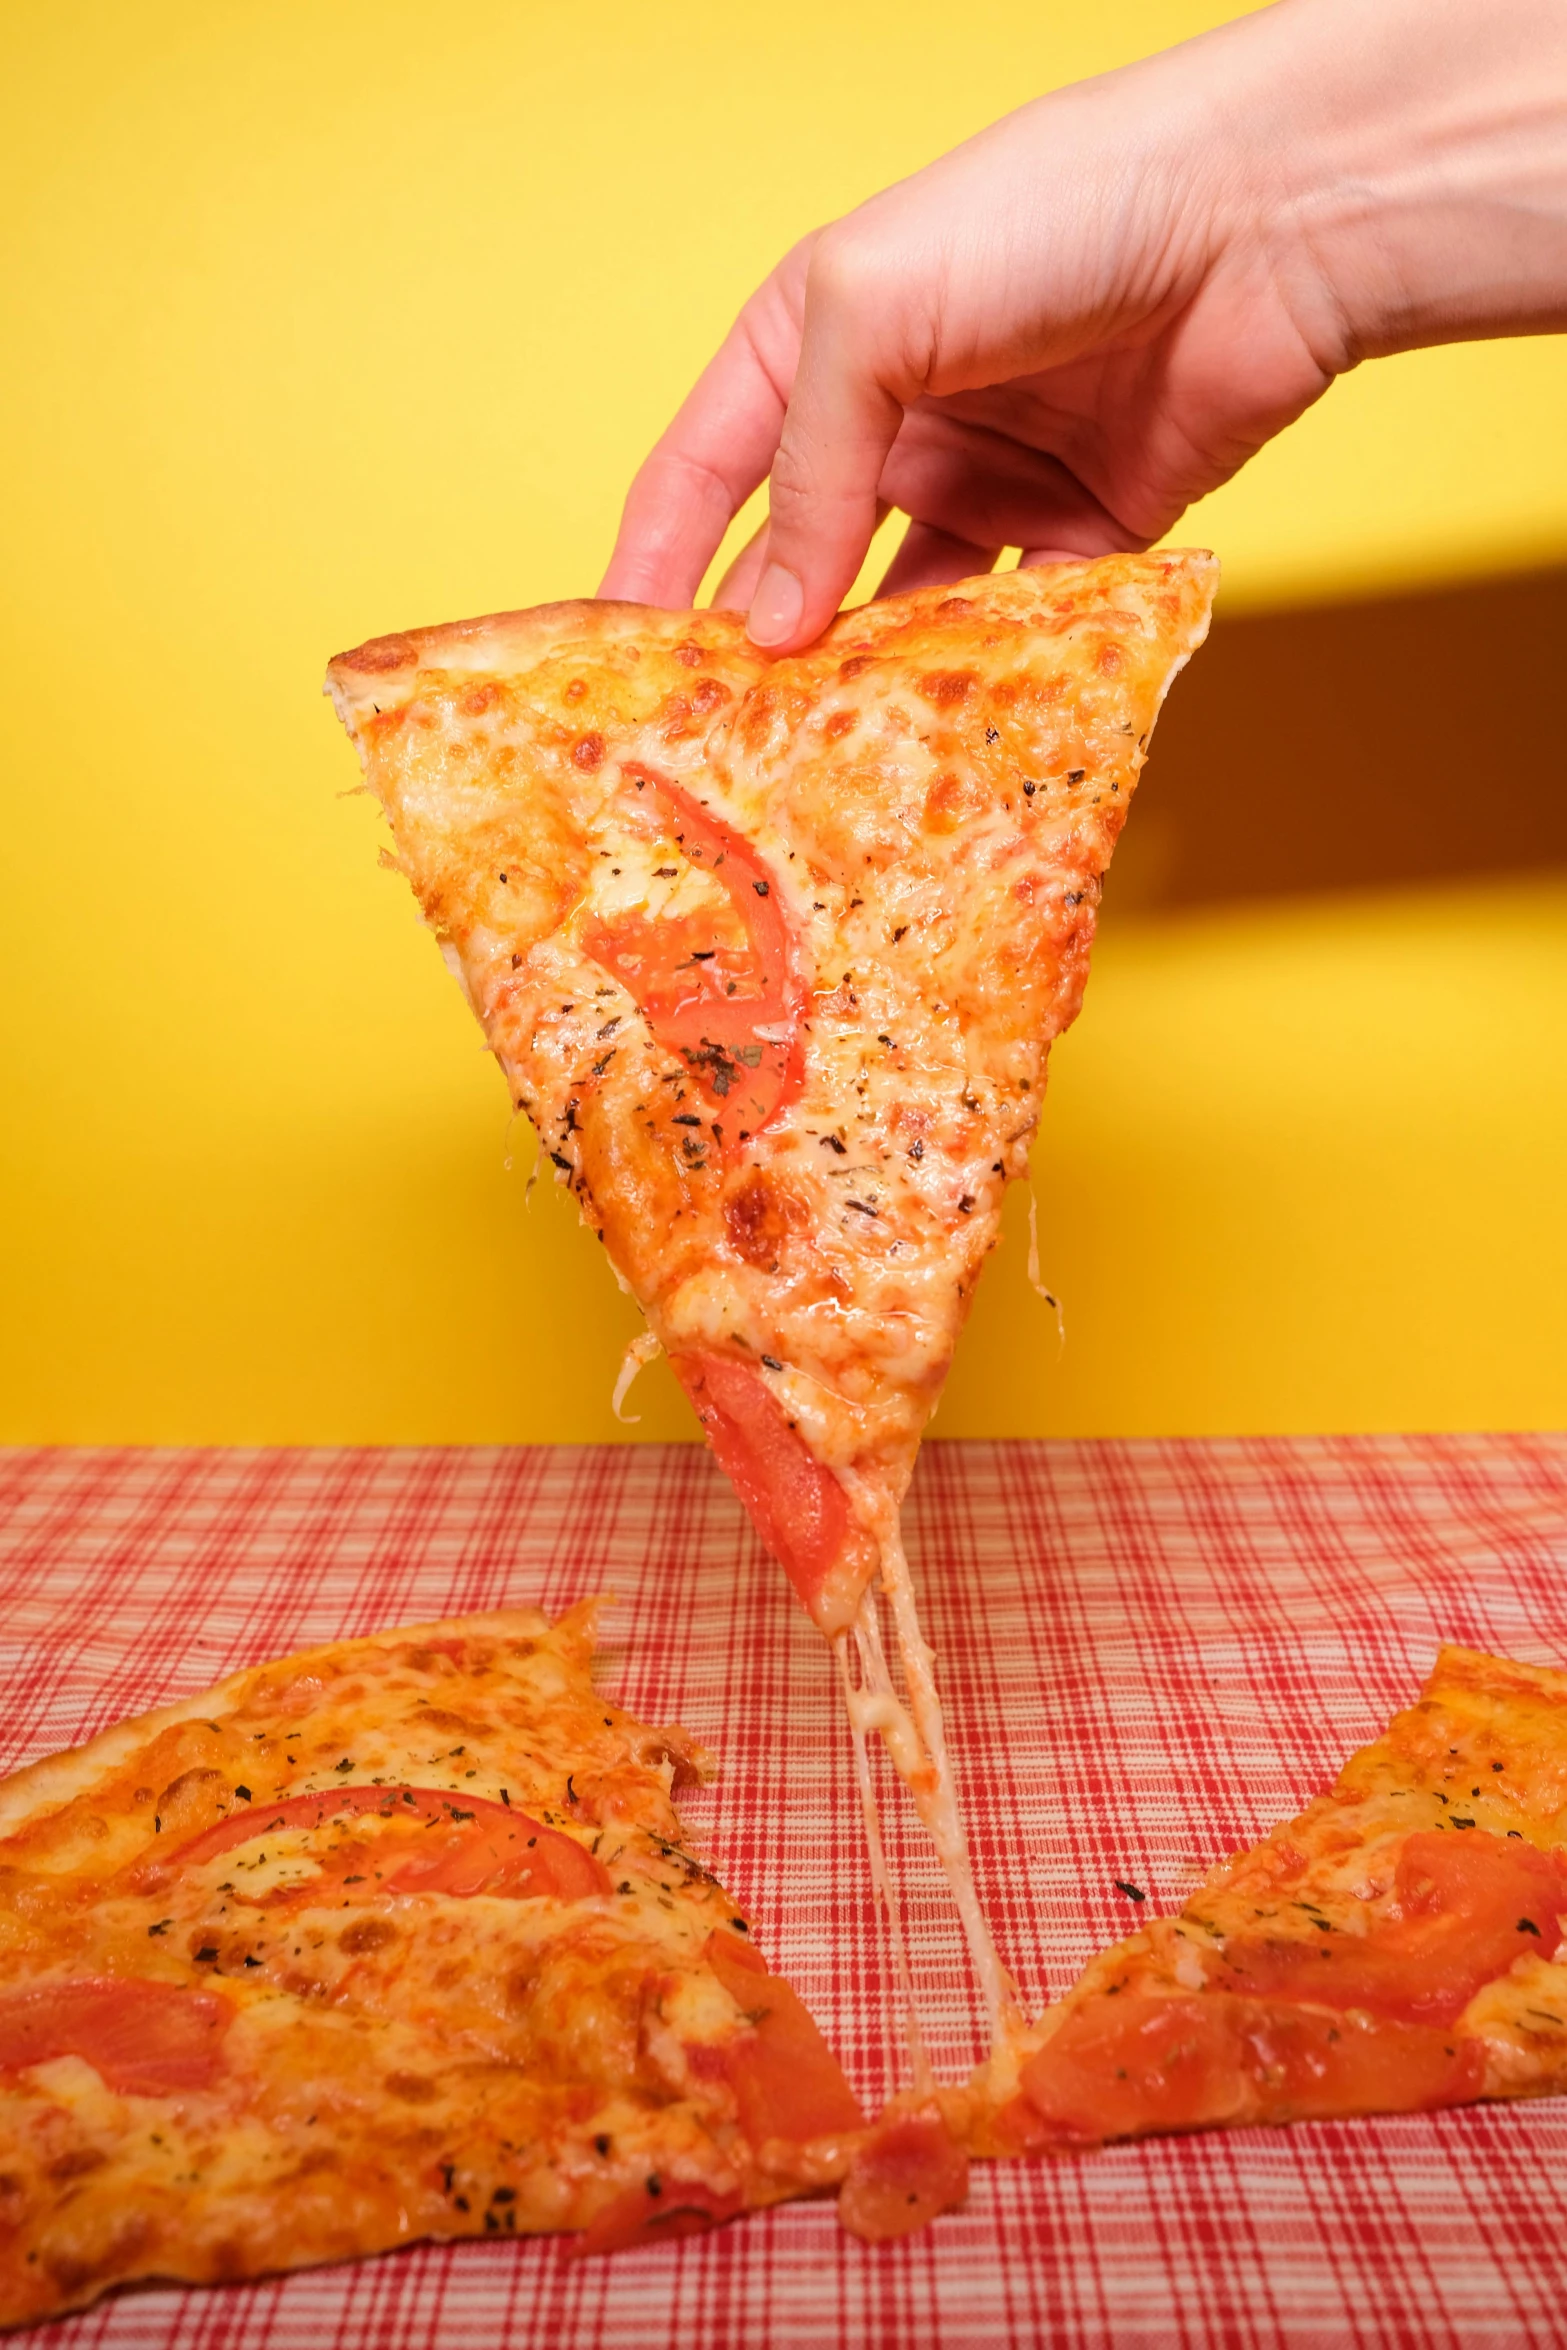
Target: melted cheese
column 916, row 1742
column 858, row 1708
column 931, row 794
column 934, row 792
column 1303, row 1978
column 382, row 2062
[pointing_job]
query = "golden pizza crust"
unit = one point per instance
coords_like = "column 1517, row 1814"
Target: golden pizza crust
column 60, row 1778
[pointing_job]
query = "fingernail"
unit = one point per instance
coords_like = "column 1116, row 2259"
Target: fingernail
column 775, row 608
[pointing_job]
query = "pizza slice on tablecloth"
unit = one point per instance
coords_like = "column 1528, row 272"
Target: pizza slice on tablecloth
column 401, row 1938
column 773, row 951
column 397, row 1938
column 1396, row 1947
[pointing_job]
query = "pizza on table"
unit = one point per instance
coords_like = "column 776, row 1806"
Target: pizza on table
column 1396, row 1947
column 402, row 1938
column 398, row 1938
column 772, row 952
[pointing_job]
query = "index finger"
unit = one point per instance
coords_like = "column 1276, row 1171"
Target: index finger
column 699, row 474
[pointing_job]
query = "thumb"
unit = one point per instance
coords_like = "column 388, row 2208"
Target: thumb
column 844, row 415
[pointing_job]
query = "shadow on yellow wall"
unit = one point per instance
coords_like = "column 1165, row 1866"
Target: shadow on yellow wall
column 320, row 322
column 1365, row 745
column 1302, row 1162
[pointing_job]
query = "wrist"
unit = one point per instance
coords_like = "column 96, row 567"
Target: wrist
column 1411, row 162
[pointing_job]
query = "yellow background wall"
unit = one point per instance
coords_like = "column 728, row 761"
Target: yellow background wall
column 325, row 316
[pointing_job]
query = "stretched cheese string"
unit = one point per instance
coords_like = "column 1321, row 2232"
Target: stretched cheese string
column 1035, row 1280
column 916, row 1741
column 937, row 1799
column 881, row 1882
column 640, row 1351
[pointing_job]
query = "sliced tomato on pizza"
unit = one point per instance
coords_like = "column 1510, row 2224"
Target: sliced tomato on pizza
column 399, row 1938
column 773, row 953
column 1399, row 1946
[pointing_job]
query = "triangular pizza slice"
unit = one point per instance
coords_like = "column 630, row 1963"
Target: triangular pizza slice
column 1396, row 1947
column 773, row 952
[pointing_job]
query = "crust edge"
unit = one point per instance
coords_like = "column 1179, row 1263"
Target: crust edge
column 1501, row 1676
column 380, row 672
column 59, row 1778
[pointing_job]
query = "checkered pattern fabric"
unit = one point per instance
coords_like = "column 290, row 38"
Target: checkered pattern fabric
column 1150, row 1653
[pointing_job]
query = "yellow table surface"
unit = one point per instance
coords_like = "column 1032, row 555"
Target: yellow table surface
column 323, row 320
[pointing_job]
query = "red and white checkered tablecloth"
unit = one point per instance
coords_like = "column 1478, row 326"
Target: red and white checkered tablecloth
column 1151, row 1651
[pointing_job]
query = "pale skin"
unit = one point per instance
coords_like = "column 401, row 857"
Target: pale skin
column 1062, row 333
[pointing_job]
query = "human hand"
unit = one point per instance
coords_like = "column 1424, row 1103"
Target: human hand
column 1059, row 335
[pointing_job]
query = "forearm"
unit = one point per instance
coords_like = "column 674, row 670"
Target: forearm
column 1413, row 157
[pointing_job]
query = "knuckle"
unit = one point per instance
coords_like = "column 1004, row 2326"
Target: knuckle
column 792, row 484
column 850, row 270
column 804, row 494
